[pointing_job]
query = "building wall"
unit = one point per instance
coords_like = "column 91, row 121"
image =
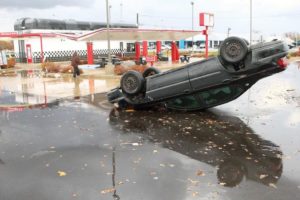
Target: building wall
column 61, row 44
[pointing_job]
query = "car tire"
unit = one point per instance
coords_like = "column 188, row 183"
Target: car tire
column 233, row 49
column 246, row 42
column 132, row 82
column 150, row 72
column 113, row 95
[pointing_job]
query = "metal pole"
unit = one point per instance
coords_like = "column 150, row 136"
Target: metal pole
column 228, row 31
column 206, row 42
column 121, row 11
column 108, row 35
column 296, row 38
column 250, row 22
column 42, row 50
column 192, row 3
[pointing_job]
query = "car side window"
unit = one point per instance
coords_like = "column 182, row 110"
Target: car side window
column 207, row 98
column 189, row 102
column 220, row 95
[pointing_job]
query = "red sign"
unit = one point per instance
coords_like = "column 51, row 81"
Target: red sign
column 206, row 19
column 150, row 58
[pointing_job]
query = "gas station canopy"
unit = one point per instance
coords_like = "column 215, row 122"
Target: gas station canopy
column 120, row 34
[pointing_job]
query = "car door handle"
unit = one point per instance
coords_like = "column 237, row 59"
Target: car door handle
column 226, row 81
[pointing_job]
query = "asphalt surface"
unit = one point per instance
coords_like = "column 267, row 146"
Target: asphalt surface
column 83, row 148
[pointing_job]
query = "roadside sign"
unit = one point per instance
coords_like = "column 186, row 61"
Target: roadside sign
column 150, row 58
column 206, row 19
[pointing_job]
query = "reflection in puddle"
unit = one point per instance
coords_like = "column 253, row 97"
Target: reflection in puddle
column 10, row 101
column 30, row 73
column 32, row 88
column 224, row 142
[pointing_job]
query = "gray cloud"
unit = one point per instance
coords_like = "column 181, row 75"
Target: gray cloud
column 43, row 4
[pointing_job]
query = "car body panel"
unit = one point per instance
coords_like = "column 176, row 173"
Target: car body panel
column 167, row 84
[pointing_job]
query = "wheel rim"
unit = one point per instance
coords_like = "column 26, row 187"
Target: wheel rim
column 233, row 49
column 130, row 83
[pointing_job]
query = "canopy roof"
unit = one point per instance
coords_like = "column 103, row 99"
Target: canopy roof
column 116, row 34
column 135, row 34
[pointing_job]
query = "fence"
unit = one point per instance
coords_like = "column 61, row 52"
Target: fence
column 60, row 56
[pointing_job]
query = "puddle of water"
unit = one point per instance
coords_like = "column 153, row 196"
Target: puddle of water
column 221, row 141
column 32, row 87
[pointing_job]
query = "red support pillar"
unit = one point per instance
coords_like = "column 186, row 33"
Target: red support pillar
column 28, row 53
column 206, row 42
column 90, row 54
column 137, row 50
column 158, row 46
column 175, row 52
column 145, row 48
column 42, row 51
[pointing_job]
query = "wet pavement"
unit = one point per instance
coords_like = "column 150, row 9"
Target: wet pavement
column 61, row 139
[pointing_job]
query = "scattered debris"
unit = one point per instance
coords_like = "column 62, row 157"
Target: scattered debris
column 110, row 190
column 61, row 173
column 200, row 173
column 195, row 194
column 272, row 185
column 262, row 176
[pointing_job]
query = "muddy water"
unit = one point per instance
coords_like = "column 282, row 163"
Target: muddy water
column 32, row 87
column 83, row 148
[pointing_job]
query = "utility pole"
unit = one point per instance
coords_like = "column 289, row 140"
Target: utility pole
column 121, row 11
column 107, row 29
column 228, row 31
column 137, row 19
column 296, row 39
column 250, row 22
column 109, row 67
column 192, row 3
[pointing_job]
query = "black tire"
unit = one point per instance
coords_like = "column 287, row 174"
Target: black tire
column 113, row 95
column 246, row 42
column 233, row 49
column 132, row 82
column 150, row 72
column 230, row 174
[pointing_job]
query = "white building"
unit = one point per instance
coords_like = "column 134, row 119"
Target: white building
column 53, row 45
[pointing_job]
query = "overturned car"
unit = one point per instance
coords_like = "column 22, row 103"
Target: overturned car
column 206, row 83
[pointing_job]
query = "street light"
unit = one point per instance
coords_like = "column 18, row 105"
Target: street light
column 250, row 22
column 192, row 3
column 110, row 6
column 296, row 38
column 109, row 66
column 228, row 31
column 108, row 26
column 121, row 11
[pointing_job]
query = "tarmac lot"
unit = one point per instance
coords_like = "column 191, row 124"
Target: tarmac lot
column 61, row 139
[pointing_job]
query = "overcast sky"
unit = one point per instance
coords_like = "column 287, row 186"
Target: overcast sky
column 269, row 16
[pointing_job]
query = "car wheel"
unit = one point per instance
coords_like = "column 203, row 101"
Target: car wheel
column 113, row 95
column 230, row 174
column 150, row 71
column 246, row 42
column 132, row 82
column 233, row 49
